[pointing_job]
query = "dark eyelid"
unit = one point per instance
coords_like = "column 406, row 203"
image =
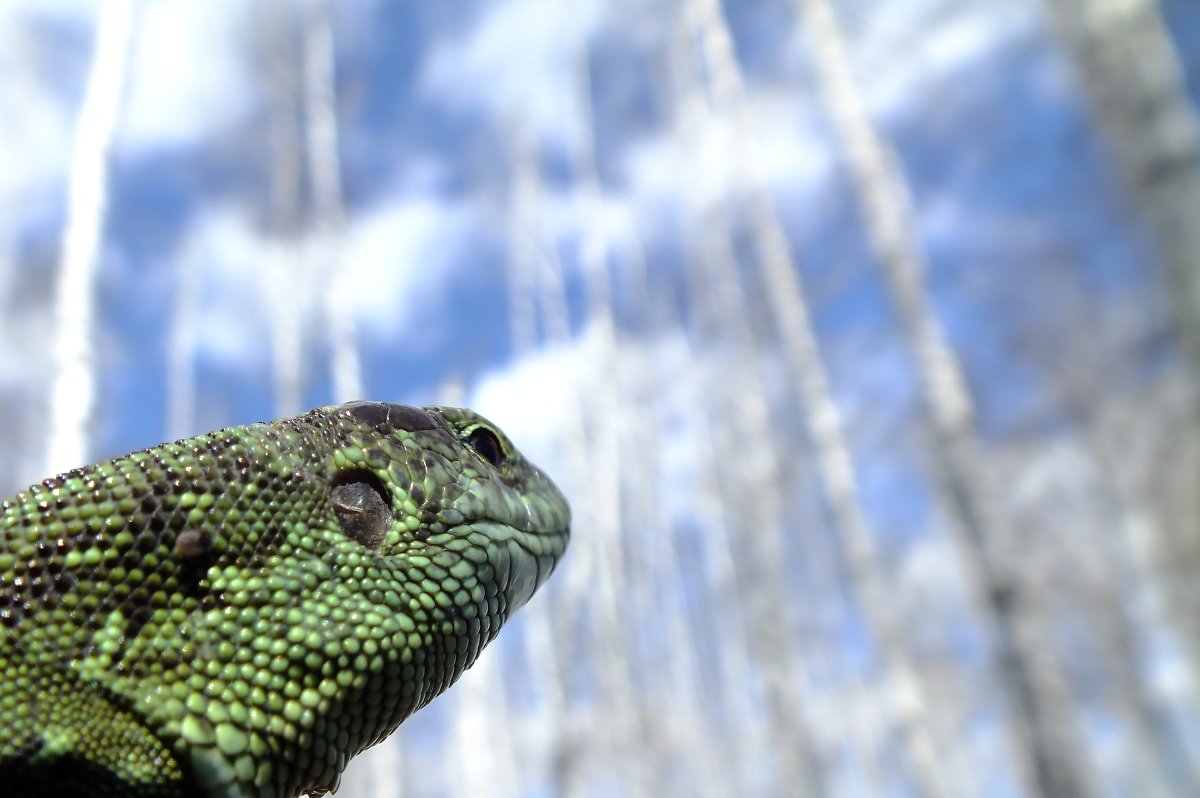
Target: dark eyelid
column 386, row 417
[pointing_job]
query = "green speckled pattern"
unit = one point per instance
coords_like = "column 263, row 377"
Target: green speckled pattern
column 240, row 613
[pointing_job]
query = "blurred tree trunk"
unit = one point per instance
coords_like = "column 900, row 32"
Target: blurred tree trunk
column 1093, row 372
column 789, row 307
column 283, row 65
column 748, row 486
column 72, row 392
column 545, row 649
column 593, row 596
column 1132, row 78
column 181, row 350
column 1043, row 725
column 325, row 172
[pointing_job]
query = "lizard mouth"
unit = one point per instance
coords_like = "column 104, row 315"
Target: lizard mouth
column 547, row 534
column 523, row 563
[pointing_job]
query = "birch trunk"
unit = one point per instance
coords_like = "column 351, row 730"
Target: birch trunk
column 181, row 351
column 748, row 565
column 324, row 168
column 283, row 267
column 789, row 308
column 1042, row 726
column 73, row 388
column 1135, row 85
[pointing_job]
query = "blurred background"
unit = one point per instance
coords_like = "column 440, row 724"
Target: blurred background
column 863, row 335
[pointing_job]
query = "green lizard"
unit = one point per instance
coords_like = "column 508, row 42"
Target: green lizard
column 240, row 613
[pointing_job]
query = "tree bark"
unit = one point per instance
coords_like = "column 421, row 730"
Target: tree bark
column 1042, row 716
column 1133, row 81
column 72, row 393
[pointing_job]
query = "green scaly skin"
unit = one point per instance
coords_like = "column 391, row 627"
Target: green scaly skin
column 240, row 613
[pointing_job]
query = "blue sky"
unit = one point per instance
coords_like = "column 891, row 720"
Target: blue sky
column 1018, row 211
column 431, row 102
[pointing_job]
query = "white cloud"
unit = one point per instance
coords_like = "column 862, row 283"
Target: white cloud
column 37, row 118
column 899, row 49
column 537, row 401
column 185, row 79
column 932, row 573
column 396, row 258
column 700, row 160
column 520, row 63
column 186, row 76
column 227, row 253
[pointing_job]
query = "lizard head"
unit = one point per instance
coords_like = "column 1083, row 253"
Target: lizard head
column 445, row 485
column 423, row 530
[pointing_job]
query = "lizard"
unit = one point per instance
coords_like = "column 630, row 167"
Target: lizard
column 241, row 612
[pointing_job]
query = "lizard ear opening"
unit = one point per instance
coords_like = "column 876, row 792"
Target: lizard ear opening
column 363, row 506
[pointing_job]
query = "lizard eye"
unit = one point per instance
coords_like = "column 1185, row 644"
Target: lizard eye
column 487, row 445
